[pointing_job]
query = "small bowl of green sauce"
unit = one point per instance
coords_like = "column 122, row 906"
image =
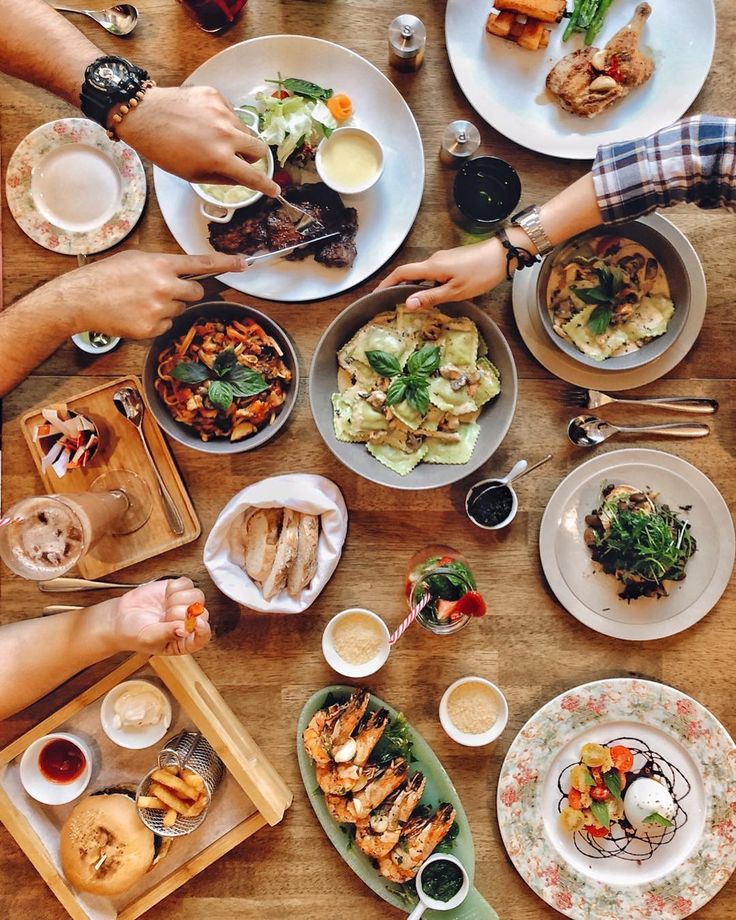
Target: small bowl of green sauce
column 442, row 884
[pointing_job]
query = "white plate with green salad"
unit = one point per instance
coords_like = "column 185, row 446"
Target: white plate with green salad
column 385, row 213
column 684, row 528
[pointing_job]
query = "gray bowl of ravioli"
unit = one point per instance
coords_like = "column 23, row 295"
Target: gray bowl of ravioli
column 661, row 238
column 494, row 420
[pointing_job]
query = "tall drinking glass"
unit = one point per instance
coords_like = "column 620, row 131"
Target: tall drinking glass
column 214, row 15
column 444, row 574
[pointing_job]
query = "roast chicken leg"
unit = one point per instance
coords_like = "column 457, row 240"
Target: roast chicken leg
column 587, row 81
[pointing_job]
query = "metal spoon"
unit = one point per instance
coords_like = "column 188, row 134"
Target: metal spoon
column 129, row 402
column 589, row 430
column 519, row 469
column 66, row 584
column 120, row 19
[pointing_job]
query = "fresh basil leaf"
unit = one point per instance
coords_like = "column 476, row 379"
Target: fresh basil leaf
column 600, row 319
column 588, row 779
column 396, row 392
column 306, row 89
column 600, row 813
column 656, row 818
column 591, row 295
column 224, row 361
column 613, row 782
column 418, row 397
column 383, row 363
column 191, row 372
column 424, row 361
column 245, row 382
column 220, row 394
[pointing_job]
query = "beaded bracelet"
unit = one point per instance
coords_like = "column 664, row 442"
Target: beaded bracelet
column 132, row 103
column 524, row 258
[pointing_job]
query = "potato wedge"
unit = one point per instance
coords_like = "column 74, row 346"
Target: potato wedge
column 517, row 28
column 531, row 34
column 546, row 10
column 500, row 24
column 544, row 40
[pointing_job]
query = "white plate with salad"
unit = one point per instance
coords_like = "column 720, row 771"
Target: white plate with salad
column 593, row 596
column 294, row 126
column 505, row 83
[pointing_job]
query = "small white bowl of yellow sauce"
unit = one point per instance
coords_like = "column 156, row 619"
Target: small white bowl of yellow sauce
column 220, row 202
column 473, row 711
column 355, row 642
column 350, row 161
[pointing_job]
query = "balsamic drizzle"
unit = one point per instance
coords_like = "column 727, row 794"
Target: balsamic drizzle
column 622, row 840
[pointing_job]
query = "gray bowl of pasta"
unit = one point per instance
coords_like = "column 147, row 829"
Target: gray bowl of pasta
column 412, row 400
column 237, row 384
column 615, row 298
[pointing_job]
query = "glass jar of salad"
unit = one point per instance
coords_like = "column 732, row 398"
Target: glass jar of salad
column 445, row 575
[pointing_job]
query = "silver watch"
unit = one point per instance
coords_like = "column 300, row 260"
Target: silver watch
column 530, row 221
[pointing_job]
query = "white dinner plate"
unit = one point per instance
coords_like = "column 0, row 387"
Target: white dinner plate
column 385, row 213
column 506, row 84
column 689, row 867
column 562, row 365
column 73, row 190
column 588, row 593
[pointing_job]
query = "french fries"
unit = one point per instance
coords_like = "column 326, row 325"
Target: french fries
column 193, row 611
column 543, row 10
column 523, row 21
column 178, row 793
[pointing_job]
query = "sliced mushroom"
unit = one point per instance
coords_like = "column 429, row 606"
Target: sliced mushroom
column 459, row 382
column 376, row 399
column 450, row 372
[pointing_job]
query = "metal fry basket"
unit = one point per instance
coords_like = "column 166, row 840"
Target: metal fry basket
column 192, row 751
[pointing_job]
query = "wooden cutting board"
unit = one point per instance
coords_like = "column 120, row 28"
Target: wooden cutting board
column 121, row 448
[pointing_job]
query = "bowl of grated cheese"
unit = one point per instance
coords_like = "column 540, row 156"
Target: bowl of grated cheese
column 473, row 711
column 355, row 642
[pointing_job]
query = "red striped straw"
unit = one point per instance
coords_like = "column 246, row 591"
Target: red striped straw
column 412, row 615
column 10, row 520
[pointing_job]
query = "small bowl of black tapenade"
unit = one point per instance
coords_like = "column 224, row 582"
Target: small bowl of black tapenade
column 491, row 503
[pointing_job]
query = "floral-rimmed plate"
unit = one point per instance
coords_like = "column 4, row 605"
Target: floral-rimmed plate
column 73, row 190
column 688, row 871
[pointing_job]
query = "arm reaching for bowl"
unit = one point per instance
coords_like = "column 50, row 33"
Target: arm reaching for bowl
column 189, row 131
column 132, row 294
column 40, row 654
column 691, row 161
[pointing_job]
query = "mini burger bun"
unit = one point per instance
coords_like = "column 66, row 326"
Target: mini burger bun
column 109, row 825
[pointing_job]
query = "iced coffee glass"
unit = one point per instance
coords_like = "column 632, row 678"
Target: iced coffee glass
column 44, row 536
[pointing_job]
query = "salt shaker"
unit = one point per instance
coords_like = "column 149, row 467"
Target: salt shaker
column 459, row 142
column 407, row 38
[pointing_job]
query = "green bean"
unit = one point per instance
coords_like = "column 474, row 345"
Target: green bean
column 597, row 21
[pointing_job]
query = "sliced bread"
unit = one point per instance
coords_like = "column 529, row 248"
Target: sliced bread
column 304, row 566
column 286, row 550
column 260, row 537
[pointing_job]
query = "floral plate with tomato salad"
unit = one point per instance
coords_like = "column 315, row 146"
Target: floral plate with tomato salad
column 607, row 730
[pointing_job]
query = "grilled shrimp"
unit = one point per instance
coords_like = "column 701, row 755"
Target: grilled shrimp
column 381, row 782
column 345, row 773
column 383, row 830
column 418, row 839
column 330, row 728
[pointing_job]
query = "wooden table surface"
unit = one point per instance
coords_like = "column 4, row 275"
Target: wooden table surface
column 266, row 666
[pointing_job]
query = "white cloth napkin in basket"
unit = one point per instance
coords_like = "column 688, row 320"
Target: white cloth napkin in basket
column 224, row 555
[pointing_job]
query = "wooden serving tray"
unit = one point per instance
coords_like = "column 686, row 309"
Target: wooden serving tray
column 250, row 796
column 121, row 448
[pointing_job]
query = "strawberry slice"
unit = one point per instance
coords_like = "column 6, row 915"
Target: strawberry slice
column 470, row 604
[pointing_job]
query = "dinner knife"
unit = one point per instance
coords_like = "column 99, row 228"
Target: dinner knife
column 263, row 257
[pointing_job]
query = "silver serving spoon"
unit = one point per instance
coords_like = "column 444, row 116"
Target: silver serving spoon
column 589, row 430
column 120, row 19
column 129, row 402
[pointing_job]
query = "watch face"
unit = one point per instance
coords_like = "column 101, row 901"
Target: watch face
column 110, row 75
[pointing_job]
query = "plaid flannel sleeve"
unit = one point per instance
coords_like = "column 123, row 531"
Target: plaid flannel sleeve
column 693, row 160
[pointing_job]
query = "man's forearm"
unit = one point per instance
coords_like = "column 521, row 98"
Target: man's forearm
column 572, row 211
column 31, row 329
column 38, row 45
column 40, row 654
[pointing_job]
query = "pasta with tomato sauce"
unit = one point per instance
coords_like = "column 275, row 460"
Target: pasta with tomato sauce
column 223, row 378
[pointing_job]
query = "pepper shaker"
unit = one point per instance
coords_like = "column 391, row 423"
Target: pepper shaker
column 460, row 141
column 407, row 38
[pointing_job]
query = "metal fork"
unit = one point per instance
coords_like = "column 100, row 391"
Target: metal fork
column 301, row 219
column 594, row 399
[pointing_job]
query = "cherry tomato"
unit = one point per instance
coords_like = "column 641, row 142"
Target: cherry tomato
column 280, row 94
column 445, row 560
column 574, row 799
column 599, row 793
column 622, row 778
column 622, row 758
column 596, row 831
column 613, row 69
column 597, row 775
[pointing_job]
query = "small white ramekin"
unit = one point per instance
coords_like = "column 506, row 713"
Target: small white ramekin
column 334, row 139
column 465, row 738
column 344, row 667
column 42, row 789
column 134, row 739
column 94, row 349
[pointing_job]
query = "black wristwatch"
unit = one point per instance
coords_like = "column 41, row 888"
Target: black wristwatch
column 111, row 81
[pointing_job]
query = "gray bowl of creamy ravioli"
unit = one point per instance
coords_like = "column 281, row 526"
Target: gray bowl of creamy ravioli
column 654, row 238
column 494, row 419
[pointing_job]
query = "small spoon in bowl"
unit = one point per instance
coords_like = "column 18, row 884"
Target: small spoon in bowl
column 120, row 19
column 590, row 431
column 481, row 490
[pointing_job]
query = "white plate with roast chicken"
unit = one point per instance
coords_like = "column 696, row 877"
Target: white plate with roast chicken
column 372, row 225
column 642, row 70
